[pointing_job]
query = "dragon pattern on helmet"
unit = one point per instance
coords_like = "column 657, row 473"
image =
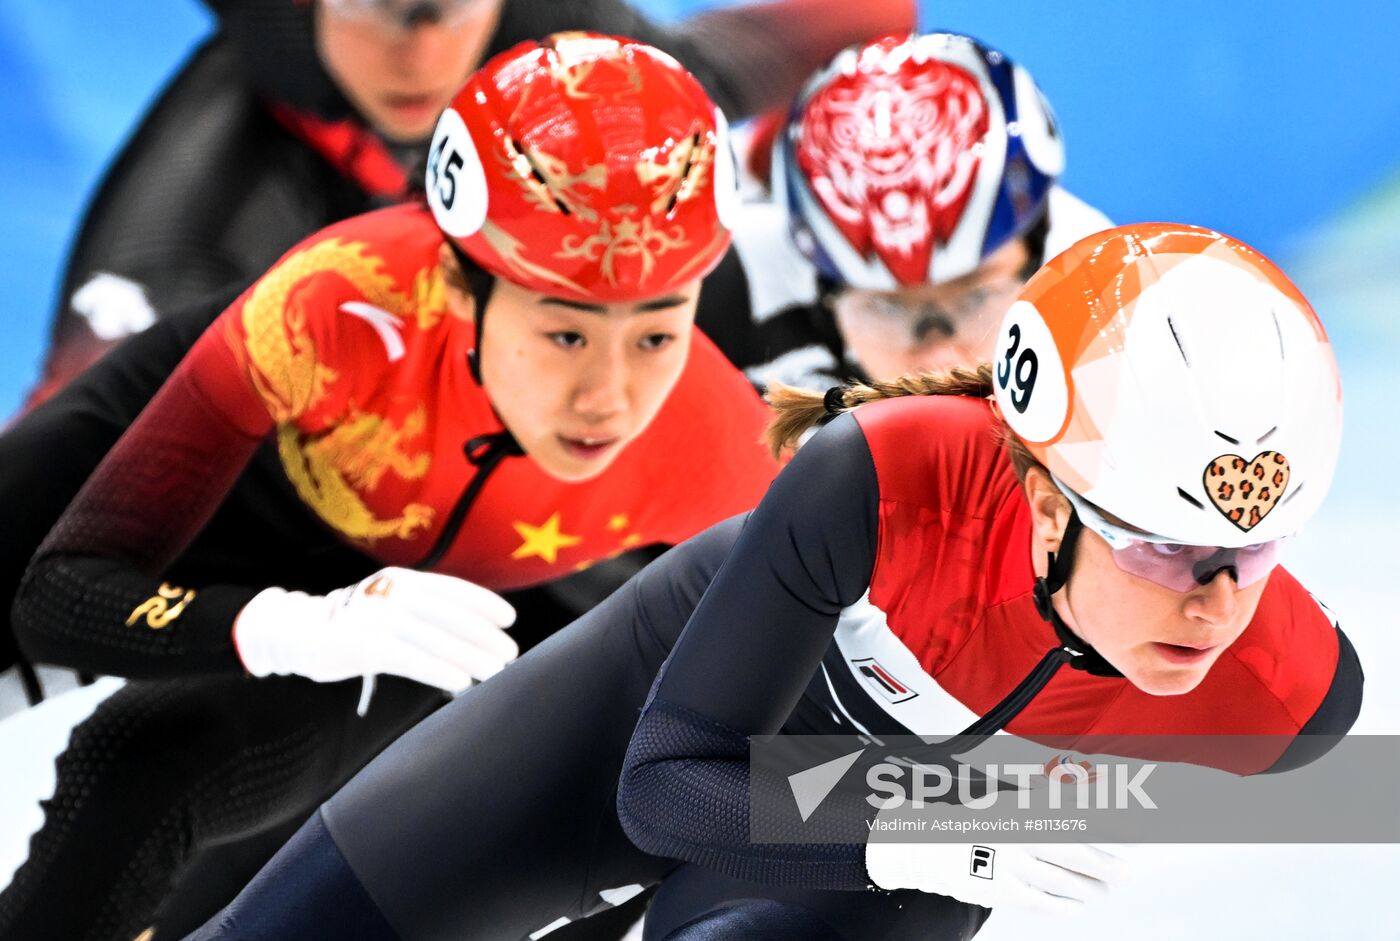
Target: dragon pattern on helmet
column 584, row 166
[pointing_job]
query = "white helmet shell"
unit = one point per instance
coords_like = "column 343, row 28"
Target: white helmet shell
column 1175, row 378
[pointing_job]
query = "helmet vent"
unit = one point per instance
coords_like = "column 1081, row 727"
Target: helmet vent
column 683, row 182
column 1292, row 495
column 1267, row 435
column 1190, row 499
column 1278, row 331
column 1184, row 358
column 525, row 161
column 1227, row 437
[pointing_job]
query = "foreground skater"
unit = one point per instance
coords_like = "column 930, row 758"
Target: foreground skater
column 967, row 530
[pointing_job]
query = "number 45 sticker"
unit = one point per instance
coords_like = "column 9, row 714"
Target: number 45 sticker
column 1029, row 376
column 456, row 183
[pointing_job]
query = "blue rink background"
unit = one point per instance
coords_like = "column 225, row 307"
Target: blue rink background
column 1283, row 131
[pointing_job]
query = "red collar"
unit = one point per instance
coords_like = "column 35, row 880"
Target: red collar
column 350, row 147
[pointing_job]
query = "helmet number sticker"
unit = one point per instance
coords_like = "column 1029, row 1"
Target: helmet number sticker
column 444, row 171
column 1020, row 376
column 455, row 181
column 1030, row 384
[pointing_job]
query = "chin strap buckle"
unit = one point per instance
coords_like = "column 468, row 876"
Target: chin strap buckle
column 1042, row 593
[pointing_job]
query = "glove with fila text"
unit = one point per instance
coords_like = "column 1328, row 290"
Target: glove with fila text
column 1053, row 878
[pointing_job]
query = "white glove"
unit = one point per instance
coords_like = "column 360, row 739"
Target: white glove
column 436, row 629
column 1053, row 878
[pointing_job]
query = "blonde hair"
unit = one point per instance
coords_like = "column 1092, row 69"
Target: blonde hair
column 798, row 410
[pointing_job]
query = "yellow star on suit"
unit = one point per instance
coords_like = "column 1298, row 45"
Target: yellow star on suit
column 543, row 541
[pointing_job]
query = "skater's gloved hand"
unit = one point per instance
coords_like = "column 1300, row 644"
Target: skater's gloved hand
column 1055, row 878
column 436, row 629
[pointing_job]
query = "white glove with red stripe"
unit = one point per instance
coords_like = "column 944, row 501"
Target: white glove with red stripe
column 436, row 629
column 1053, row 878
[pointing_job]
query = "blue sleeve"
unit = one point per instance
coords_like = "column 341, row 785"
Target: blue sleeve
column 742, row 663
column 307, row 892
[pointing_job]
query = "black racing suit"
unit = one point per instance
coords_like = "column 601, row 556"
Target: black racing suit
column 496, row 817
column 147, row 761
column 503, row 813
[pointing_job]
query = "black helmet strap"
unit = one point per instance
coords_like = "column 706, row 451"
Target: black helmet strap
column 1058, row 567
column 480, row 283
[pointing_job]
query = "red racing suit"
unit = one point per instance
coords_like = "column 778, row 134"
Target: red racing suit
column 346, row 353
column 884, row 586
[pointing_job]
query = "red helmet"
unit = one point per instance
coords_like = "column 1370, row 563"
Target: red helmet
column 585, row 166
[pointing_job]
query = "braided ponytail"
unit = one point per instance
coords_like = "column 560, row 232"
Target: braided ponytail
column 798, row 410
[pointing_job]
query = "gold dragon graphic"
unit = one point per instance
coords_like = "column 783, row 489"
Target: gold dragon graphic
column 327, row 468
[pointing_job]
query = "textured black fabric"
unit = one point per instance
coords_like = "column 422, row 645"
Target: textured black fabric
column 48, row 454
column 310, row 863
column 164, row 768
column 807, row 551
column 74, row 611
column 123, row 793
column 695, row 904
column 703, row 808
column 753, row 920
column 496, row 816
column 95, row 594
column 262, row 533
column 216, row 874
column 209, row 191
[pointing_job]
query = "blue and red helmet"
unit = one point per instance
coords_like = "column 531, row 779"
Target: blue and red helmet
column 910, row 159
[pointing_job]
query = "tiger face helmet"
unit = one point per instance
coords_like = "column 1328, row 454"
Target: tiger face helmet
column 1177, row 379
column 910, row 159
column 587, row 167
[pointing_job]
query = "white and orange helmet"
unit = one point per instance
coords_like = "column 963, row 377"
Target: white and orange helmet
column 1177, row 379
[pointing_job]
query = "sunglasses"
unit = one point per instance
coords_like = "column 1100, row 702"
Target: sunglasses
column 967, row 316
column 1171, row 564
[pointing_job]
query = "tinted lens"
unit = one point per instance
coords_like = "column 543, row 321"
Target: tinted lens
column 409, row 12
column 911, row 333
column 1185, row 568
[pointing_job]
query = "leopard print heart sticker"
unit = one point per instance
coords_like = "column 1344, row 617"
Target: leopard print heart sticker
column 1245, row 491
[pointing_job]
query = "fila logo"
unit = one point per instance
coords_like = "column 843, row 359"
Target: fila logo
column 882, row 681
column 983, row 861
